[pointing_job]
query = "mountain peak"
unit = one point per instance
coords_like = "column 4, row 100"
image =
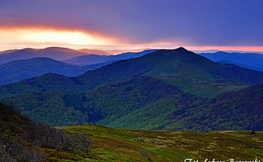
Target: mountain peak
column 181, row 49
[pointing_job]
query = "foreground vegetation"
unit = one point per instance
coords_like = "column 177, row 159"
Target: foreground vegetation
column 22, row 139
column 113, row 144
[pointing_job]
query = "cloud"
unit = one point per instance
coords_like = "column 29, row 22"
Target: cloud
column 192, row 23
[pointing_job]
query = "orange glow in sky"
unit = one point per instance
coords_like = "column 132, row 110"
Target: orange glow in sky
column 30, row 37
column 39, row 38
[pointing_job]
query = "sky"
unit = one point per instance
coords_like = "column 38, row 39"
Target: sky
column 235, row 25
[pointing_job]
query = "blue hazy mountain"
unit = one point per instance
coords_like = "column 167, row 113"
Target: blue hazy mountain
column 241, row 65
column 76, row 57
column 55, row 53
column 15, row 71
column 17, row 65
column 248, row 60
column 95, row 59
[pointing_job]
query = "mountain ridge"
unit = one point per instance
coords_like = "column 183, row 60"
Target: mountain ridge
column 65, row 55
column 188, row 71
column 249, row 60
column 16, row 71
column 81, row 83
column 55, row 53
column 93, row 58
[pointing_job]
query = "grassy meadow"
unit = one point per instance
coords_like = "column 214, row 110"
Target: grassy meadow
column 113, row 144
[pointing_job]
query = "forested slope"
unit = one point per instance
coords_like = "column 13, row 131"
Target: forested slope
column 146, row 103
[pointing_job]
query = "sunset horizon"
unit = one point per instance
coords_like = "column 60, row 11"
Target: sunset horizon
column 130, row 25
column 131, row 80
column 138, row 48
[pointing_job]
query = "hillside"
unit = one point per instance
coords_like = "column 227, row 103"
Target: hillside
column 160, row 90
column 59, row 109
column 16, row 71
column 196, row 74
column 147, row 103
column 22, row 139
column 190, row 72
column 120, row 70
column 231, row 110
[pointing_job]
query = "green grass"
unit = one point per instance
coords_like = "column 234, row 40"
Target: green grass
column 113, row 144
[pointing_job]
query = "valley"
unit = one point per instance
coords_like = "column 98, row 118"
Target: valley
column 167, row 105
column 163, row 90
column 131, row 81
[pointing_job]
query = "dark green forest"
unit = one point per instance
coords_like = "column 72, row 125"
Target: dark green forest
column 23, row 139
column 147, row 103
column 163, row 90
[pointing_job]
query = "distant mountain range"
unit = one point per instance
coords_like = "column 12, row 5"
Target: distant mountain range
column 32, row 63
column 55, row 53
column 247, row 60
column 166, row 89
column 94, row 59
column 16, row 71
column 67, row 55
column 190, row 72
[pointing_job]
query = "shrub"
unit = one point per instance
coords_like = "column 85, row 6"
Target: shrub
column 146, row 154
column 22, row 139
column 84, row 142
column 47, row 136
column 15, row 151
